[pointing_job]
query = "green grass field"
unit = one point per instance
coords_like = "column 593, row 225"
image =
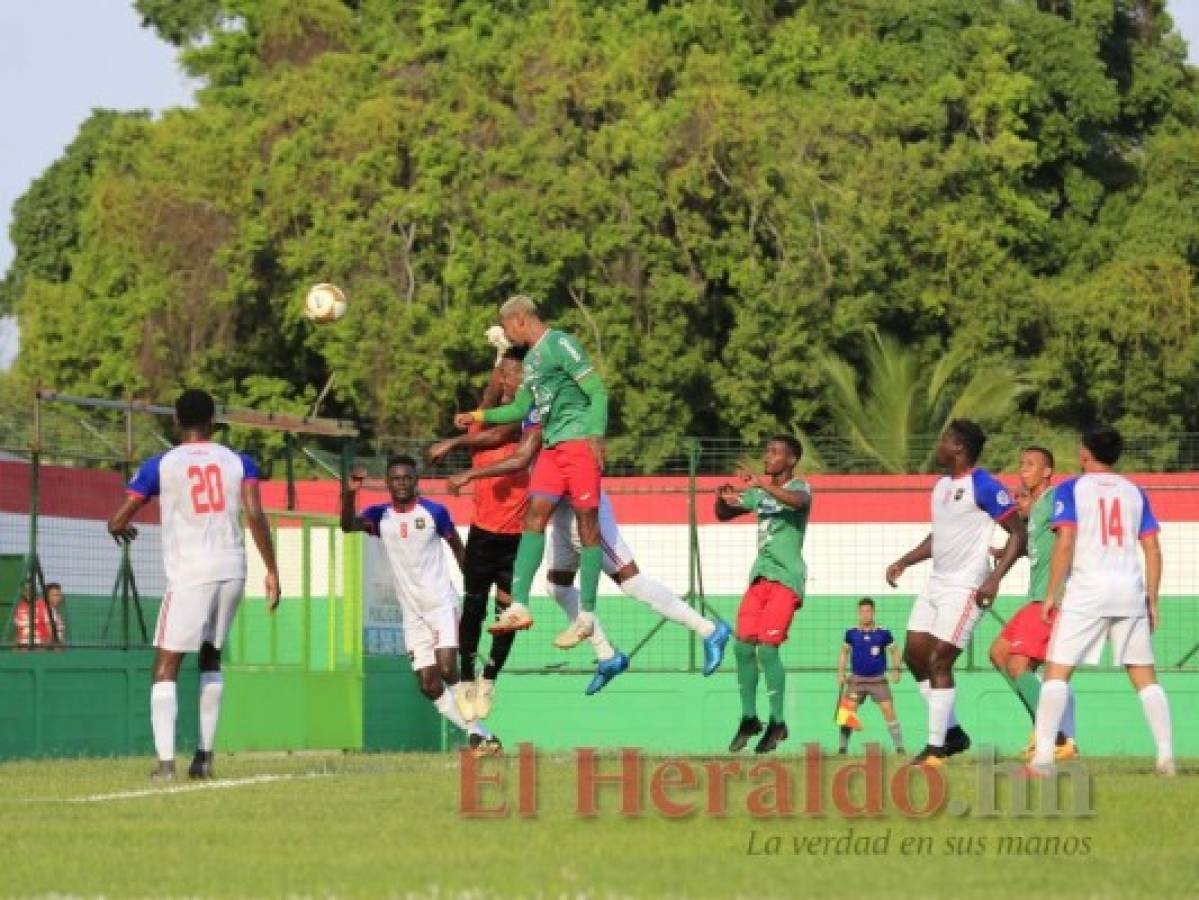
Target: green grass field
column 365, row 825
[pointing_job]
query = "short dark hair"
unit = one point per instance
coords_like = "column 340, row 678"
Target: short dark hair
column 516, row 353
column 53, row 586
column 866, row 601
column 1105, row 443
column 970, row 436
column 790, row 443
column 401, row 459
column 1035, row 448
column 195, row 408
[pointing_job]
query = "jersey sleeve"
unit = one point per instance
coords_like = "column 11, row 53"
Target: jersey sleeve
column 849, row 637
column 1149, row 523
column 572, row 357
column 1065, row 513
column 145, row 484
column 441, row 518
column 991, row 496
column 373, row 516
column 249, row 468
column 888, row 639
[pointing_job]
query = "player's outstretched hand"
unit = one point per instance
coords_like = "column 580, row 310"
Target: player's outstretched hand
column 357, row 478
column 125, row 535
column 464, row 420
column 894, row 571
column 728, row 494
column 272, row 591
column 455, row 483
column 439, row 451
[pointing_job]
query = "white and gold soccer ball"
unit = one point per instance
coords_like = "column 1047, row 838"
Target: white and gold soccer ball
column 324, row 303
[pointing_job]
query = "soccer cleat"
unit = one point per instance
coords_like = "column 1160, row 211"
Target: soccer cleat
column 484, row 691
column 481, row 746
column 1032, row 772
column 750, row 725
column 201, row 766
column 714, row 647
column 163, row 771
column 515, row 618
column 578, row 631
column 899, row 751
column 464, row 697
column 1065, row 749
column 1166, row 768
column 842, row 751
column 606, row 671
column 930, row 757
column 1030, row 748
column 956, row 741
column 776, row 733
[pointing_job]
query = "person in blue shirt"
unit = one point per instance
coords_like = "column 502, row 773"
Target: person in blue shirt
column 866, row 650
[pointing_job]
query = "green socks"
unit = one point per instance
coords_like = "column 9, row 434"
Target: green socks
column 776, row 679
column 528, row 559
column 747, row 677
column 1028, row 688
column 591, row 562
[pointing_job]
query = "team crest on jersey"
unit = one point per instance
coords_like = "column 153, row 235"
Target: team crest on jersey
column 958, row 494
column 420, row 523
column 1003, row 498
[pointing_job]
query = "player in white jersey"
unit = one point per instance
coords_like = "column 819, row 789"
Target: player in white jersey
column 414, row 531
column 618, row 564
column 202, row 489
column 966, row 504
column 1101, row 518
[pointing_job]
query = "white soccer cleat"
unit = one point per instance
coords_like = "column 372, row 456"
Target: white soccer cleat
column 464, row 697
column 1166, row 767
column 578, row 631
column 515, row 618
column 484, row 691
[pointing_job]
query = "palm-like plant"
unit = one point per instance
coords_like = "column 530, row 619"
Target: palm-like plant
column 897, row 400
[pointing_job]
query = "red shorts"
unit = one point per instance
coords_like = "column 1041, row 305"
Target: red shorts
column 1027, row 633
column 766, row 612
column 568, row 470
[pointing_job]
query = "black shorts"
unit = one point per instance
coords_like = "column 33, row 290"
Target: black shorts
column 490, row 558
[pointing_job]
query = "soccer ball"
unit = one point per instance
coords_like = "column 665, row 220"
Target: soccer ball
column 324, row 303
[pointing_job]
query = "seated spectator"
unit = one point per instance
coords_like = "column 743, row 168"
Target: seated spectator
column 40, row 624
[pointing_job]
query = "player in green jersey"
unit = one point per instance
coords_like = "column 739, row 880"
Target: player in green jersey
column 781, row 503
column 572, row 406
column 1020, row 648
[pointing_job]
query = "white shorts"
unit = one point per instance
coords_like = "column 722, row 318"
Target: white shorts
column 565, row 543
column 196, row 614
column 1077, row 638
column 947, row 613
column 428, row 631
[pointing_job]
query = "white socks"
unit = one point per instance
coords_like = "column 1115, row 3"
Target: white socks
column 940, row 708
column 567, row 597
column 666, row 603
column 1067, row 726
column 163, row 709
column 212, row 686
column 1055, row 694
column 926, row 690
column 449, row 708
column 1157, row 714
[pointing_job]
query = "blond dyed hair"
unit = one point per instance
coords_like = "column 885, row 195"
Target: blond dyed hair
column 518, row 305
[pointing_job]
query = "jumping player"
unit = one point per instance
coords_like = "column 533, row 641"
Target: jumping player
column 491, row 544
column 782, row 503
column 863, row 651
column 1020, row 647
column 572, row 405
column 412, row 529
column 618, row 564
column 202, row 488
column 1100, row 518
column 965, row 504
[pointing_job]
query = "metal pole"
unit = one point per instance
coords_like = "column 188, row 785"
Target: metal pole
column 694, row 576
column 289, row 460
column 31, row 561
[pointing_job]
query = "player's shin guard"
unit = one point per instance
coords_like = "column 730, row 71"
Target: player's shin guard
column 528, row 561
column 501, row 646
column 449, row 709
column 1157, row 714
column 1028, row 688
column 1054, row 695
column 747, row 677
column 591, row 563
column 666, row 603
column 940, row 708
column 212, row 687
column 164, row 708
column 776, row 679
column 470, row 629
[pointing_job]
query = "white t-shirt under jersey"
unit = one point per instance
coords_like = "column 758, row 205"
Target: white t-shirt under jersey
column 1111, row 515
column 198, row 486
column 964, row 513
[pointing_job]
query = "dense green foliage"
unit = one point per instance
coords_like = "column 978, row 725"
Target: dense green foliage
column 711, row 194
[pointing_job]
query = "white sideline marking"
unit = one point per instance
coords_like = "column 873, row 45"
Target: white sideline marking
column 182, row 789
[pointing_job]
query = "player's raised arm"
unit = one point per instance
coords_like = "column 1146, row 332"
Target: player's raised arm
column 728, row 503
column 260, row 530
column 499, row 415
column 526, row 452
column 784, row 495
column 487, row 439
column 918, row 554
column 350, row 520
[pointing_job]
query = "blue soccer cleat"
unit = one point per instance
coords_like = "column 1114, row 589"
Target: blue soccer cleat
column 714, row 647
column 606, row 671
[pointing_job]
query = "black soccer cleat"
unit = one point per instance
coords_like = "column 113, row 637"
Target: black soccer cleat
column 484, row 746
column 750, row 725
column 776, row 733
column 201, row 766
column 930, row 757
column 956, row 741
column 163, row 771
